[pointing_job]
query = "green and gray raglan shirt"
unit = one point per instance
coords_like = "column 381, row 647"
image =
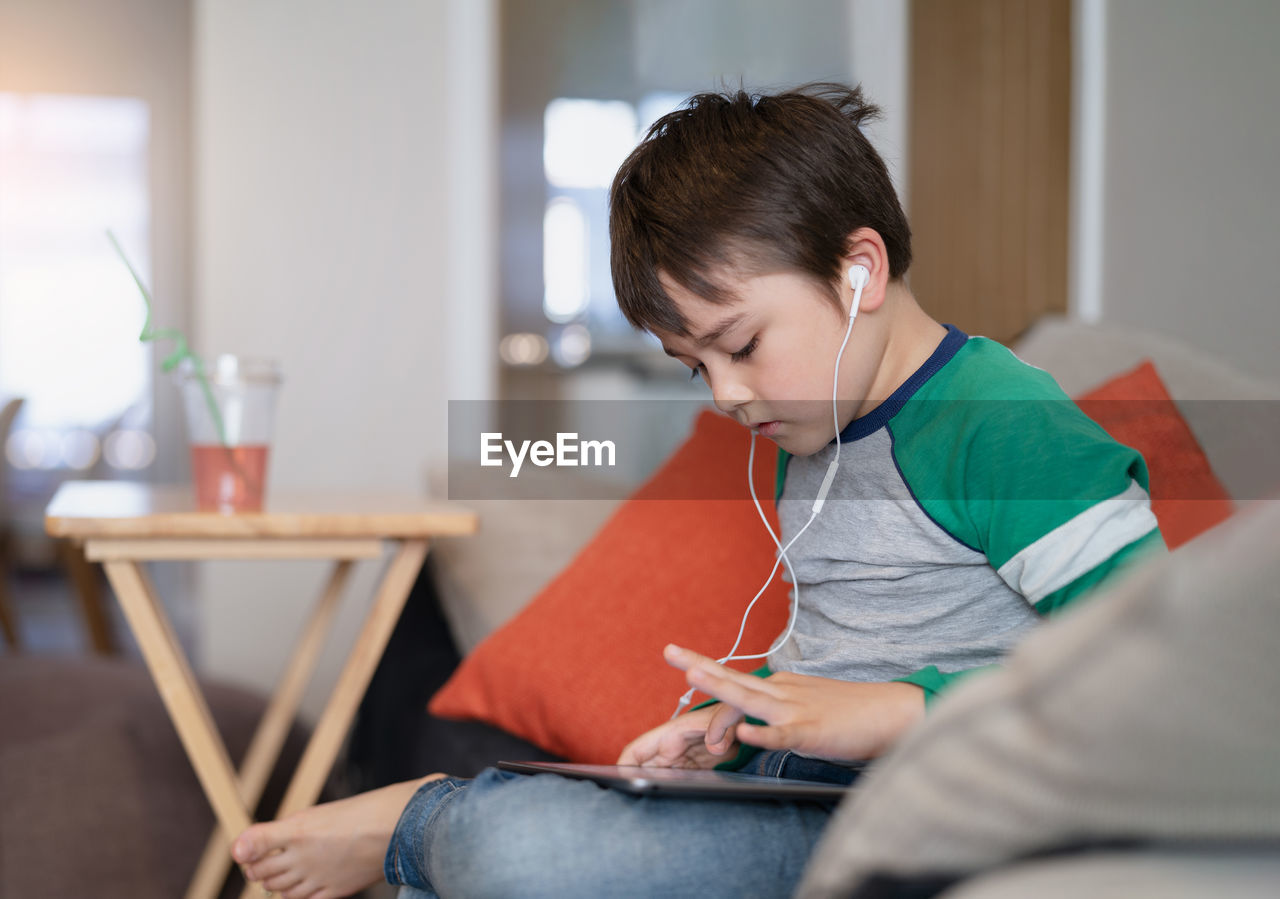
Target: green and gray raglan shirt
column 975, row 499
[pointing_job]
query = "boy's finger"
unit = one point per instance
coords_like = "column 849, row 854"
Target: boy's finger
column 720, row 731
column 687, row 660
column 640, row 750
column 764, row 736
column 706, row 668
column 679, row 657
column 746, row 695
column 684, row 659
column 628, row 757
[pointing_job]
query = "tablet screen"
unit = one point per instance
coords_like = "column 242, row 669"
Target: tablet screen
column 685, row 781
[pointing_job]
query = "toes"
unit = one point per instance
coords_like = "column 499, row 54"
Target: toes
column 282, row 882
column 245, row 848
column 271, row 866
column 253, row 844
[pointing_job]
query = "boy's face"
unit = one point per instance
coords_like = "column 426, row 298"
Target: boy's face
column 770, row 357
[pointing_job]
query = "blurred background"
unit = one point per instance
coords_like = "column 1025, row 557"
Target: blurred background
column 404, row 203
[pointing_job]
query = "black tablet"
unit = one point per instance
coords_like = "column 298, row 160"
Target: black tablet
column 685, row 781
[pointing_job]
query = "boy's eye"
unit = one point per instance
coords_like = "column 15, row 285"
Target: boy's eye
column 737, row 356
column 746, row 350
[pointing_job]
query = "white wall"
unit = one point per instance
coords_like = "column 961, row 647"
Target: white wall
column 1188, row 188
column 880, row 50
column 343, row 196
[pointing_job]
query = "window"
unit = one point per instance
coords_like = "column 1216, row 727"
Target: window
column 584, row 142
column 70, row 168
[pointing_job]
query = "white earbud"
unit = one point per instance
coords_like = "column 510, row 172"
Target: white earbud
column 858, row 276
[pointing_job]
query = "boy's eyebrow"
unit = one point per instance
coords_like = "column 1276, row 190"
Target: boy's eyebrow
column 713, row 335
column 718, row 331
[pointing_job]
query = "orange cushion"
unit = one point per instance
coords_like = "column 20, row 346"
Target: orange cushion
column 579, row 670
column 1136, row 409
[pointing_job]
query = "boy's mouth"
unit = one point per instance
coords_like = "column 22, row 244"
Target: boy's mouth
column 766, row 428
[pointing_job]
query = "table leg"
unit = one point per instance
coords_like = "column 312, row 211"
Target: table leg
column 180, row 692
column 270, row 735
column 335, row 721
column 8, row 624
column 84, row 577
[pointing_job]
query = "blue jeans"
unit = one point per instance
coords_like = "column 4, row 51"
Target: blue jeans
column 505, row 834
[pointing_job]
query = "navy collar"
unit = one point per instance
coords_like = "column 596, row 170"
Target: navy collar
column 878, row 417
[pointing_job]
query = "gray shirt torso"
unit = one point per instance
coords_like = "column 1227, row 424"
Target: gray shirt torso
column 884, row 590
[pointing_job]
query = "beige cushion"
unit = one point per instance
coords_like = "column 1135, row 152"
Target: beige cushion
column 1081, row 356
column 1148, row 712
column 522, row 544
column 1183, row 874
column 1235, row 417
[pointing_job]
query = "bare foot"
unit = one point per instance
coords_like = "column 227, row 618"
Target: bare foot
column 327, row 851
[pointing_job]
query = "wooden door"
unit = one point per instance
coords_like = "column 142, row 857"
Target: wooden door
column 989, row 160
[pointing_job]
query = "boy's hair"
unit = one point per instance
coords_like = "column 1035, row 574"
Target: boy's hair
column 751, row 184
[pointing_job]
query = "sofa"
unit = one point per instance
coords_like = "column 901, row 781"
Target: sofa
column 97, row 797
column 474, row 586
column 88, row 759
column 1126, row 748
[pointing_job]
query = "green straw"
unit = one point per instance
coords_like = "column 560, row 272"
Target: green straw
column 180, row 352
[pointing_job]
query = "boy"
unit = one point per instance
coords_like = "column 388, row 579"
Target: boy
column 759, row 238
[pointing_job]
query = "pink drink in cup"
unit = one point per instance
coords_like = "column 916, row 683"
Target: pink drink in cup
column 229, row 418
column 229, row 478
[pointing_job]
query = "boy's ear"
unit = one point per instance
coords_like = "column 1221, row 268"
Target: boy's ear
column 865, row 247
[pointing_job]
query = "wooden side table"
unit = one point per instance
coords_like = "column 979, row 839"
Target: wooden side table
column 123, row 525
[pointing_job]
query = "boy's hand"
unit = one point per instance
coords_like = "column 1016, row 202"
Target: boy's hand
column 817, row 716
column 700, row 739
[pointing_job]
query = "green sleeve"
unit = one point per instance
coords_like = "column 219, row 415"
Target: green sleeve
column 1006, row 464
column 780, row 476
column 935, row 682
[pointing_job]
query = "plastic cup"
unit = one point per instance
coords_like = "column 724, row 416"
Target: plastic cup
column 229, row 450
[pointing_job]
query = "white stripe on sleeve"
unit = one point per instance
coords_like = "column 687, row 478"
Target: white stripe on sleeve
column 1080, row 545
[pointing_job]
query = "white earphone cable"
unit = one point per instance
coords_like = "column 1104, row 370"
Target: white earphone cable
column 783, row 559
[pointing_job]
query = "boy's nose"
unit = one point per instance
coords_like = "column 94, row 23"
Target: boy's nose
column 730, row 393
